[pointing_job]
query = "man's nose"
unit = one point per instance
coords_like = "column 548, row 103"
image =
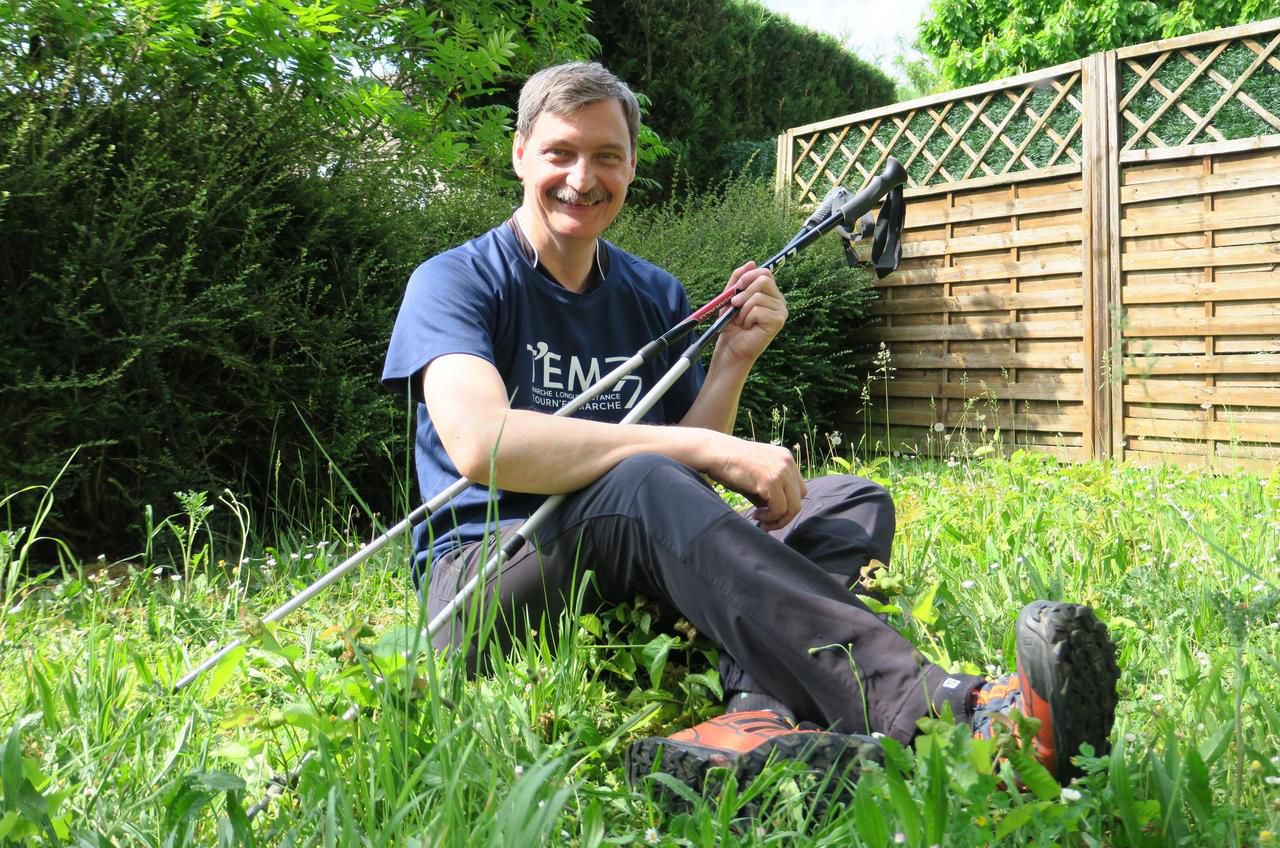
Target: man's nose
column 580, row 177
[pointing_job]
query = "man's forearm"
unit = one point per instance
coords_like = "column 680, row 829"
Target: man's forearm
column 716, row 407
column 543, row 454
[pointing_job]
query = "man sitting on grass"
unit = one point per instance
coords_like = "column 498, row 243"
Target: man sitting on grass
column 497, row 333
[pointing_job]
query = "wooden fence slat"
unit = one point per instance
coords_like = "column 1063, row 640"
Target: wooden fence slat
column 1208, row 449
column 1161, row 391
column 1208, row 463
column 1069, row 422
column 1196, row 221
column 972, row 212
column 992, row 241
column 1192, row 186
column 1196, row 39
column 1204, row 148
column 1237, row 363
column 962, row 362
column 1204, row 327
column 986, row 391
column 956, row 332
column 1219, row 291
column 977, row 303
column 987, row 271
column 1219, row 430
column 1245, row 254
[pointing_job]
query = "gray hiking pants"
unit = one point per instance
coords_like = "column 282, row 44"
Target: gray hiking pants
column 777, row 604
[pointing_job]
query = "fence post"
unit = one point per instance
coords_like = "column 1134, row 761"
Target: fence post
column 782, row 168
column 1099, row 176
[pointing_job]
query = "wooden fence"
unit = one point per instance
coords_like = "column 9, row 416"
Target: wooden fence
column 1091, row 260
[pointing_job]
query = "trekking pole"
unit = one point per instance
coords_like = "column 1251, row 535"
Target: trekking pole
column 842, row 211
column 647, row 353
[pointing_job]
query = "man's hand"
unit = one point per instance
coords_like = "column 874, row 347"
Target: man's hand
column 766, row 474
column 762, row 310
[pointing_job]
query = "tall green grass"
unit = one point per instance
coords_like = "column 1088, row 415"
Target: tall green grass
column 94, row 750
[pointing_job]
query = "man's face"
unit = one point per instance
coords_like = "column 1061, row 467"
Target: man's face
column 575, row 169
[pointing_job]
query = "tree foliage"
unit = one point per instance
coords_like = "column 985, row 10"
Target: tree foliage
column 726, row 76
column 207, row 214
column 973, row 41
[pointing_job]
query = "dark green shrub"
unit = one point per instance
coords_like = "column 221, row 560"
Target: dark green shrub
column 811, row 366
column 720, row 71
column 188, row 290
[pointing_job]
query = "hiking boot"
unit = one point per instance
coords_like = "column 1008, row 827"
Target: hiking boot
column 743, row 743
column 1066, row 678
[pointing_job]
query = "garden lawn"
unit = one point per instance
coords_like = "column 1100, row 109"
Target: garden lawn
column 96, row 750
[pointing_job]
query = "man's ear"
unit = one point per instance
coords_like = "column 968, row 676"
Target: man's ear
column 517, row 155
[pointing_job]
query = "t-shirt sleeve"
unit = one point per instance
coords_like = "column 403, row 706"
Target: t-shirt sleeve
column 448, row 308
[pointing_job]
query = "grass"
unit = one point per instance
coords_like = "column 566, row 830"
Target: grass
column 95, row 750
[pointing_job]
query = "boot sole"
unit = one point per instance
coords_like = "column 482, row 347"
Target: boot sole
column 837, row 757
column 1067, row 662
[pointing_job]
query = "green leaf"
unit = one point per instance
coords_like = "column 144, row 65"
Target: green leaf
column 1017, row 817
column 899, row 795
column 879, row 608
column 174, row 751
column 216, row 781
column 709, row 679
column 1199, row 795
column 302, row 715
column 19, row 793
column 1213, row 747
column 936, row 795
column 922, row 610
column 653, row 656
column 8, row 823
column 223, row 672
column 869, row 817
column 1035, row 776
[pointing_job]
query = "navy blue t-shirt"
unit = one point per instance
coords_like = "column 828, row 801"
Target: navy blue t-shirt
column 487, row 298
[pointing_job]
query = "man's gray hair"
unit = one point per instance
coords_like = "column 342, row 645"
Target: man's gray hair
column 562, row 89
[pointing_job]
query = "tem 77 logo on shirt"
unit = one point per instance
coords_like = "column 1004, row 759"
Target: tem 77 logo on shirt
column 555, row 380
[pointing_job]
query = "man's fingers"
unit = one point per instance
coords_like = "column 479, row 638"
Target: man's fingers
column 764, row 310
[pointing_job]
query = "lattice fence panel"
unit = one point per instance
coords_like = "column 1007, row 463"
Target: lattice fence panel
column 1201, row 94
column 989, row 134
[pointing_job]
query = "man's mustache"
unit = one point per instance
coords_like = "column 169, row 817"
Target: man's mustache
column 569, row 195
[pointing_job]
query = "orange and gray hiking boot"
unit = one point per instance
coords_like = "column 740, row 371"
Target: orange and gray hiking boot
column 743, row 742
column 1066, row 678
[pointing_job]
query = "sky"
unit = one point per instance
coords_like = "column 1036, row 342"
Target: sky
column 867, row 27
